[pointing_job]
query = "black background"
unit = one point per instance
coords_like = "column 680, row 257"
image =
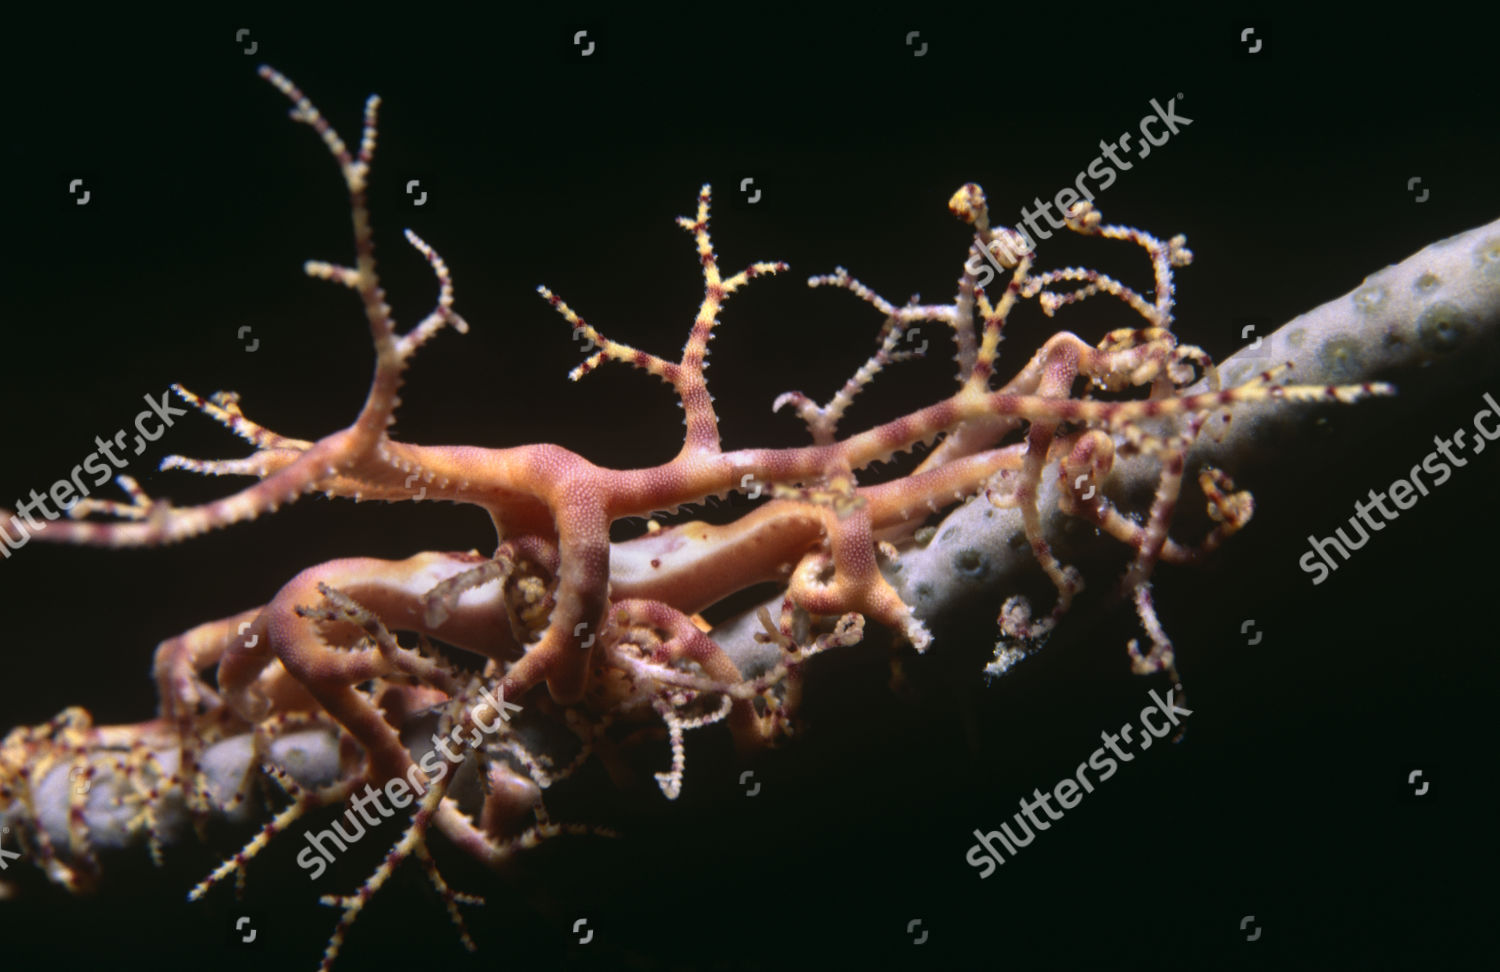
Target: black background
column 1286, row 800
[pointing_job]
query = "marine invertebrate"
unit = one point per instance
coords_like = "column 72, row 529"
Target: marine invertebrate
column 587, row 634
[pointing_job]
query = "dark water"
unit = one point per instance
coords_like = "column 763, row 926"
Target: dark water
column 1287, row 799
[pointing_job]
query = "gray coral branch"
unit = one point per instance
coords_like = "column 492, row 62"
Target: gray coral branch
column 1427, row 324
column 1432, row 320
